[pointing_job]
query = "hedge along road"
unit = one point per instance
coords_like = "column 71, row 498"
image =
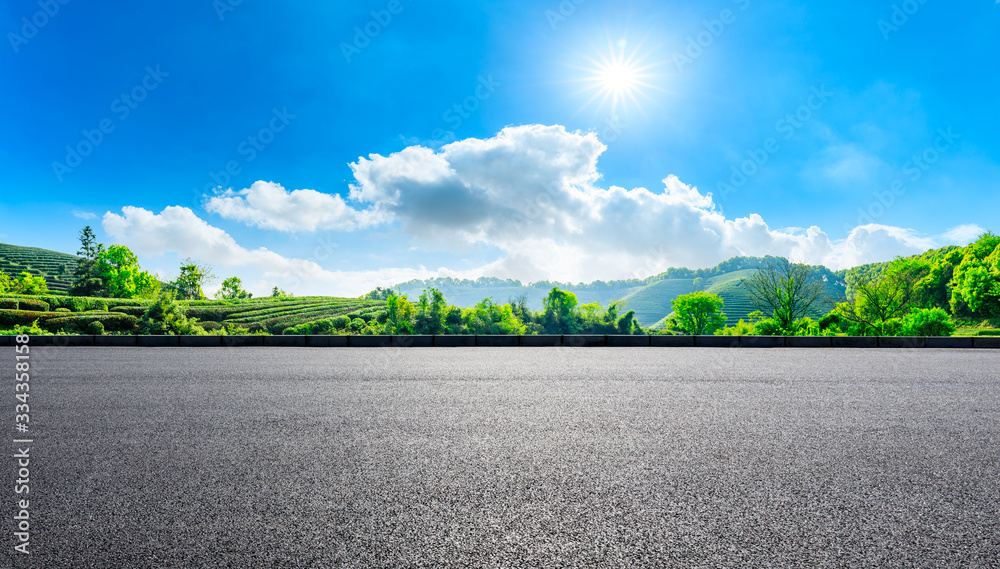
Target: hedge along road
column 488, row 457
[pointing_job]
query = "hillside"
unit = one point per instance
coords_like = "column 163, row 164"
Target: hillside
column 649, row 298
column 57, row 268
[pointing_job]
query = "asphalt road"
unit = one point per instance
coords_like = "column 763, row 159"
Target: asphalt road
column 508, row 457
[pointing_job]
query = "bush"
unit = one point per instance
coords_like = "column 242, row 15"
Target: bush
column 137, row 311
column 9, row 318
column 8, row 304
column 95, row 328
column 166, row 317
column 63, row 310
column 32, row 304
column 80, row 322
column 988, row 333
column 927, row 322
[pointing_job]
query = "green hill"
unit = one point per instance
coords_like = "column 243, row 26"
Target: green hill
column 56, row 268
column 649, row 298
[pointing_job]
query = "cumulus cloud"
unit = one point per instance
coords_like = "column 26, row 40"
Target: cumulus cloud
column 178, row 230
column 534, row 193
column 270, row 206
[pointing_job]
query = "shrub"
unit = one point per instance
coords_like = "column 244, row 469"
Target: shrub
column 63, row 310
column 988, row 333
column 95, row 328
column 8, row 304
column 79, row 322
column 9, row 318
column 927, row 322
column 32, row 304
column 137, row 311
column 166, row 317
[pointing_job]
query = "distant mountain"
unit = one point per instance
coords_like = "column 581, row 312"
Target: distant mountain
column 57, row 268
column 649, row 298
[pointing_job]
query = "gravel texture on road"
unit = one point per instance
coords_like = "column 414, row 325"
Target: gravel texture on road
column 499, row 457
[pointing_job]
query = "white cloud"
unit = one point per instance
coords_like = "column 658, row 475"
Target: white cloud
column 270, row 206
column 84, row 214
column 178, row 230
column 533, row 192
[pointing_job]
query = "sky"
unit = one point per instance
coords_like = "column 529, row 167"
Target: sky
column 332, row 147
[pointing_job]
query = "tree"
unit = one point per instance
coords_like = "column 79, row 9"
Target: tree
column 87, row 278
column 5, row 282
column 431, row 312
column 698, row 313
column 28, row 284
column 560, row 315
column 89, row 247
column 121, row 275
column 628, row 325
column 378, row 294
column 232, row 289
column 876, row 299
column 278, row 293
column 188, row 285
column 399, row 315
column 927, row 322
column 166, row 317
column 787, row 291
column 489, row 318
column 976, row 282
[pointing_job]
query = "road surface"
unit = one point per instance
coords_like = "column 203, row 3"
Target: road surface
column 507, row 457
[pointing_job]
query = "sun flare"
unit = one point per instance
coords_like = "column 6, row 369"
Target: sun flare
column 618, row 77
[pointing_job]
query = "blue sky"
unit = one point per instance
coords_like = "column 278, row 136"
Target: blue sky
column 369, row 143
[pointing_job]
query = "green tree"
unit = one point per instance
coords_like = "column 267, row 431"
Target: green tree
column 28, row 284
column 87, row 277
column 5, row 283
column 166, row 317
column 89, row 247
column 119, row 270
column 927, row 322
column 232, row 289
column 784, row 290
column 486, row 317
column 399, row 315
column 698, row 313
column 378, row 294
column 431, row 311
column 976, row 279
column 278, row 293
column 560, row 315
column 877, row 300
column 628, row 325
column 188, row 285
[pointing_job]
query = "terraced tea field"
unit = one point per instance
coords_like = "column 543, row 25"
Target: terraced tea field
column 56, row 268
column 265, row 315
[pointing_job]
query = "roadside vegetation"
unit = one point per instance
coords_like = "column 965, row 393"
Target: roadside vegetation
column 955, row 290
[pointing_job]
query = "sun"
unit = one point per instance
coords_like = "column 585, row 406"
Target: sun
column 618, row 77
